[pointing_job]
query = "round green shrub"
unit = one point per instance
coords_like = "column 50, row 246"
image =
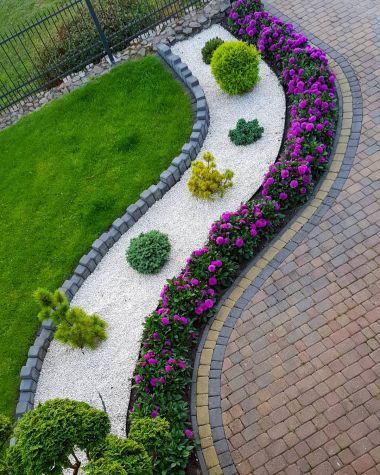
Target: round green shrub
column 148, row 252
column 235, row 66
column 209, row 49
column 104, row 466
column 245, row 132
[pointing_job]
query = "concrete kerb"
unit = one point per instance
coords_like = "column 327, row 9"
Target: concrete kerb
column 206, row 413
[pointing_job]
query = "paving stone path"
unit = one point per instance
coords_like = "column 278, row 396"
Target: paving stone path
column 301, row 389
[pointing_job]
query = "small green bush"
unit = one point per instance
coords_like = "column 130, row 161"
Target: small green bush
column 74, row 326
column 206, row 180
column 131, row 455
column 246, row 132
column 149, row 252
column 47, row 436
column 209, row 48
column 5, row 430
column 235, row 66
column 151, row 433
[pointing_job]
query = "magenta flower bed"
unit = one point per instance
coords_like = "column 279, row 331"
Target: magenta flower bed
column 187, row 301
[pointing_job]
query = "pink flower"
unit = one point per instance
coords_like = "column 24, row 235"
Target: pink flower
column 293, row 184
column 211, row 268
column 302, row 169
column 183, row 320
column 188, row 433
column 194, row 282
column 283, row 196
column 138, row 379
column 219, row 240
column 165, row 321
column 154, row 414
column 239, row 242
column 209, row 303
column 168, row 368
column 181, row 364
column 212, row 280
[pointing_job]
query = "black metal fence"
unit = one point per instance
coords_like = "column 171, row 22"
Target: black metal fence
column 66, row 39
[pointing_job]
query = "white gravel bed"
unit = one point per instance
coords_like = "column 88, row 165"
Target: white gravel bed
column 121, row 296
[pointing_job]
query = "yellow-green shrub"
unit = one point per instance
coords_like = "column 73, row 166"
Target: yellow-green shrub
column 235, row 66
column 206, row 180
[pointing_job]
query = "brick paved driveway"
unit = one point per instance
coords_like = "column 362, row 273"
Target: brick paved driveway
column 301, row 390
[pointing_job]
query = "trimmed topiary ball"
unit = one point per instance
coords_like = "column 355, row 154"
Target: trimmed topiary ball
column 235, row 66
column 245, row 132
column 209, row 49
column 149, row 252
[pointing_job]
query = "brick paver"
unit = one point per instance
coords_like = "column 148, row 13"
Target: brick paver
column 301, row 376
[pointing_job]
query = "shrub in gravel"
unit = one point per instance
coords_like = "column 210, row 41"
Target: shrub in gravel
column 245, row 132
column 209, row 49
column 235, row 66
column 48, row 436
column 74, row 326
column 206, row 181
column 149, row 252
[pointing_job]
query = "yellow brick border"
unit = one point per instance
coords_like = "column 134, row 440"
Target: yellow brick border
column 201, row 400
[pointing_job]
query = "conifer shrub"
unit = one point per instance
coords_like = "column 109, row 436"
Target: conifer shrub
column 206, row 181
column 235, row 66
column 209, row 49
column 245, row 132
column 74, row 326
column 149, row 252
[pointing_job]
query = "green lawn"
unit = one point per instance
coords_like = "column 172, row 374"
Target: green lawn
column 66, row 172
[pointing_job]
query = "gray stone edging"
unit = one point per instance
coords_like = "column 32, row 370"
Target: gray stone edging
column 87, row 264
column 215, row 411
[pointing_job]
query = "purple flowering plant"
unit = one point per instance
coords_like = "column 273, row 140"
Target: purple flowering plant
column 189, row 299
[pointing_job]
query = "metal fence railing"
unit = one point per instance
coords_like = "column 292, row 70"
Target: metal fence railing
column 63, row 41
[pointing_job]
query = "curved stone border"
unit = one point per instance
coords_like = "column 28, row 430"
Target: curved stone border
column 87, row 264
column 213, row 453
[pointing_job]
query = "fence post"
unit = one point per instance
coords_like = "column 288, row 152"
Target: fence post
column 100, row 31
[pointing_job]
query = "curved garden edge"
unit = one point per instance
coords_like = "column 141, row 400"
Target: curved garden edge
column 30, row 372
column 206, row 414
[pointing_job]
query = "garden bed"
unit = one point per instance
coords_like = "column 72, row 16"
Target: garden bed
column 122, row 296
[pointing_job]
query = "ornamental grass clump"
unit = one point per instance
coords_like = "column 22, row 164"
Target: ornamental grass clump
column 149, row 252
column 235, row 66
column 209, row 49
column 74, row 326
column 245, row 132
column 206, row 181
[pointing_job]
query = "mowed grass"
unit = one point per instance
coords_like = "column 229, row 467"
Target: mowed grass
column 66, row 172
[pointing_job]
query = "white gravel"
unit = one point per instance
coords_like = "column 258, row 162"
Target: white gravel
column 122, row 296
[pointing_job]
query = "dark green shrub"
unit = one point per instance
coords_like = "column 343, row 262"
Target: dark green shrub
column 77, row 40
column 151, row 433
column 74, row 326
column 148, row 252
column 235, row 66
column 131, row 455
column 209, row 48
column 48, row 435
column 246, row 132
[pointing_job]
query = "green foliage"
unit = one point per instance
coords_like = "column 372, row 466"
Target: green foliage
column 131, row 455
column 74, row 326
column 206, row 180
column 209, row 48
column 48, row 435
column 104, row 466
column 246, row 132
column 151, row 433
column 149, row 252
column 235, row 66
column 55, row 192
column 77, row 39
column 5, row 430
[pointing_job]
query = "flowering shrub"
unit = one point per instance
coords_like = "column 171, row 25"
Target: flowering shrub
column 189, row 299
column 288, row 182
column 209, row 49
column 235, row 67
column 245, row 132
column 206, row 181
